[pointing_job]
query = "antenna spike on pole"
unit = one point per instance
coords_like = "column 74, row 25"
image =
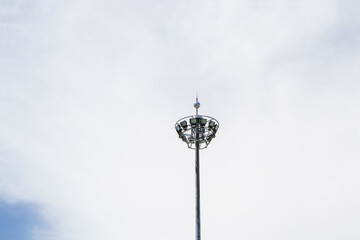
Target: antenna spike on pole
column 197, row 104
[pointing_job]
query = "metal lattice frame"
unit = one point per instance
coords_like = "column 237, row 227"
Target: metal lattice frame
column 186, row 128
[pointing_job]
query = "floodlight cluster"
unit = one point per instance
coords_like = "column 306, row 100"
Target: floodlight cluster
column 197, row 128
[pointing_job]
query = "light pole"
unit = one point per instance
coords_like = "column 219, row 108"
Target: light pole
column 197, row 131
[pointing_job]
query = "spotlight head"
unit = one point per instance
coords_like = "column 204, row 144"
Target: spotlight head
column 211, row 124
column 178, row 128
column 193, row 122
column 210, row 137
column 203, row 122
column 184, row 124
column 184, row 138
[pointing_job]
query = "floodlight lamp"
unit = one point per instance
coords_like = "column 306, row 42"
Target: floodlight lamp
column 193, row 122
column 184, row 124
column 211, row 124
column 203, row 122
column 184, row 138
column 178, row 128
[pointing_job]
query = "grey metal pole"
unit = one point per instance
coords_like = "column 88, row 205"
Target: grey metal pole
column 197, row 182
column 198, row 136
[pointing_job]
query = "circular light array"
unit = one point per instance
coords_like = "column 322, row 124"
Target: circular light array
column 190, row 127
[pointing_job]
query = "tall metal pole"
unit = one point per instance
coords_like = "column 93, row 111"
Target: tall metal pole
column 197, row 182
column 197, row 132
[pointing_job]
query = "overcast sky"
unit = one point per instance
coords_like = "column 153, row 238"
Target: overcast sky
column 90, row 92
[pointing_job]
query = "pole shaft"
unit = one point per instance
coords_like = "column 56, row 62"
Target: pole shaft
column 197, row 182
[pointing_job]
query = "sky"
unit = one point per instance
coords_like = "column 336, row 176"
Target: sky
column 18, row 221
column 90, row 92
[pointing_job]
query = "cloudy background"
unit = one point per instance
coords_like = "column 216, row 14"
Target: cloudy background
column 90, row 91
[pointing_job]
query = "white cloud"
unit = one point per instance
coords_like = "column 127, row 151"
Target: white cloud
column 90, row 92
